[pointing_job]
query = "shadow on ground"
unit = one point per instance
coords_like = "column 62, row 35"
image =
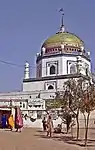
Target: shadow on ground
column 66, row 139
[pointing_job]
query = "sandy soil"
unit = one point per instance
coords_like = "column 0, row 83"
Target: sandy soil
column 35, row 139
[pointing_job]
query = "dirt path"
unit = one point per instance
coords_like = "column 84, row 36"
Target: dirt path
column 33, row 139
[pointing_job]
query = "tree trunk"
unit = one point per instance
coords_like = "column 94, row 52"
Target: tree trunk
column 77, row 119
column 86, row 129
column 77, row 127
column 67, row 127
column 84, row 119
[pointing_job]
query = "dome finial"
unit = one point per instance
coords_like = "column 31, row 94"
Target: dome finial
column 62, row 28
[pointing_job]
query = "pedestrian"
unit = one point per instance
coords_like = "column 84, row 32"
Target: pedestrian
column 19, row 120
column 3, row 121
column 44, row 124
column 11, row 122
column 49, row 126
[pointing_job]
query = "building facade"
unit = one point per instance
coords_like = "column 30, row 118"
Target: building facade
column 62, row 56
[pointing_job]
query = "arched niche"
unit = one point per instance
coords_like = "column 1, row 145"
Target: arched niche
column 73, row 69
column 50, row 87
column 52, row 70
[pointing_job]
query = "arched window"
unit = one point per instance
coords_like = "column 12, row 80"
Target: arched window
column 52, row 69
column 50, row 87
column 20, row 104
column 23, row 105
column 72, row 69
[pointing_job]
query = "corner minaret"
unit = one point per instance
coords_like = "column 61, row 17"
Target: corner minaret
column 27, row 71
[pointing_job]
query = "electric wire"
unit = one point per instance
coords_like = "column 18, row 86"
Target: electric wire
column 16, row 65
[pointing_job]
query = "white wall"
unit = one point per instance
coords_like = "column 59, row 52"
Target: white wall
column 45, row 94
column 38, row 122
column 74, row 58
column 84, row 61
column 45, row 60
column 60, row 83
column 15, row 95
column 62, row 64
column 33, row 86
column 38, row 67
column 41, row 85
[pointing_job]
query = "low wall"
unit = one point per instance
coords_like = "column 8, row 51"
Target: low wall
column 38, row 123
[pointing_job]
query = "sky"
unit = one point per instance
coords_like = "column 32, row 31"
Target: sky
column 25, row 24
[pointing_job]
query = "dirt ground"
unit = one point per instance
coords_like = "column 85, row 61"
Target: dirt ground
column 35, row 139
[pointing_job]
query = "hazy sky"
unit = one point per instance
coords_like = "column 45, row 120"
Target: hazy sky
column 25, row 24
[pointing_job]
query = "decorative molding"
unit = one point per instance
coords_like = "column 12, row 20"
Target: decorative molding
column 49, row 78
column 63, row 54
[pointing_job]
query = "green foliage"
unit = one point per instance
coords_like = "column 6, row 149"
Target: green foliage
column 88, row 99
column 78, row 95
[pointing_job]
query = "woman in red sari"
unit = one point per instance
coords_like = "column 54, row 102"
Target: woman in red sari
column 19, row 120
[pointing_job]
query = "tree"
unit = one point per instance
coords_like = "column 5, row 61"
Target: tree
column 73, row 96
column 57, row 103
column 80, row 95
column 77, row 97
column 67, row 117
column 70, row 98
column 88, row 105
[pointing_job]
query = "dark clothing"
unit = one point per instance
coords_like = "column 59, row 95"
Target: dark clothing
column 4, row 120
column 58, row 129
column 44, row 125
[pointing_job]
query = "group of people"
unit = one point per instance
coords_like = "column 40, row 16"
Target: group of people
column 12, row 123
column 48, row 125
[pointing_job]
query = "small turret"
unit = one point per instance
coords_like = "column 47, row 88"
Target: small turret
column 88, row 53
column 27, row 71
column 43, row 50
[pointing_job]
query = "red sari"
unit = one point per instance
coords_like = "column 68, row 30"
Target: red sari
column 19, row 119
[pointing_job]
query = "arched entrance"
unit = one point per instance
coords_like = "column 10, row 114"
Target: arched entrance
column 50, row 87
